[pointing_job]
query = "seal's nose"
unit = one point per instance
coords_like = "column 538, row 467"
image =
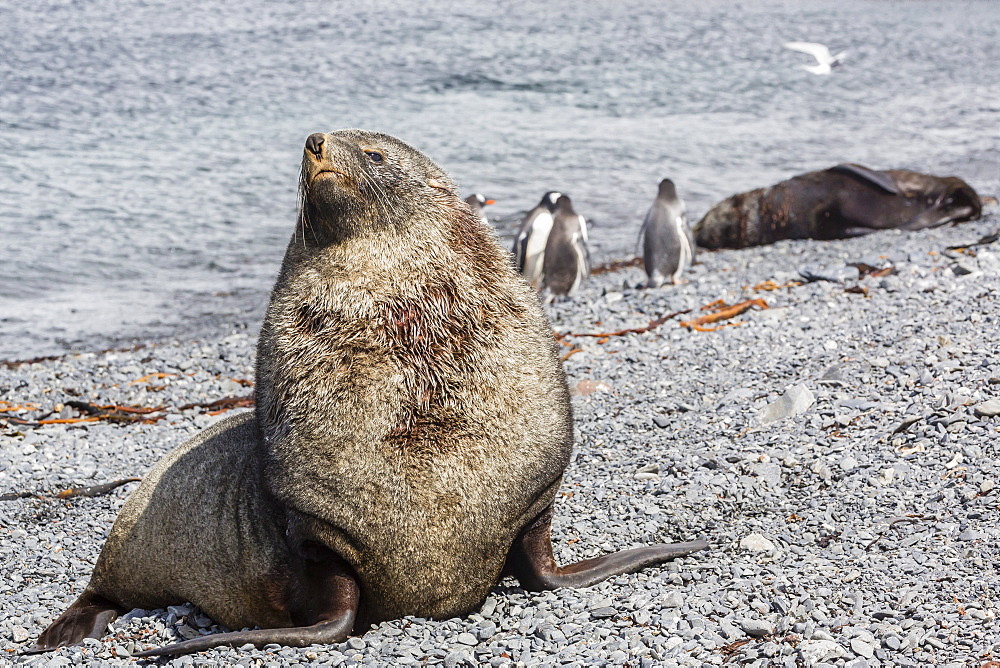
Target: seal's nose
column 314, row 144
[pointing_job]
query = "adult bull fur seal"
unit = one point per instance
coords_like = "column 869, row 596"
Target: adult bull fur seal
column 843, row 201
column 411, row 429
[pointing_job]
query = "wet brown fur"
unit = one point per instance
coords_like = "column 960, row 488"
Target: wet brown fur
column 830, row 204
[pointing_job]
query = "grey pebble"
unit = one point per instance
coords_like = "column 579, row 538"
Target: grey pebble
column 989, row 408
column 603, row 613
column 795, row 400
column 865, row 649
column 757, row 628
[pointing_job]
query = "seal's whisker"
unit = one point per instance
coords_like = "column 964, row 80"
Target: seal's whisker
column 304, row 222
column 381, row 198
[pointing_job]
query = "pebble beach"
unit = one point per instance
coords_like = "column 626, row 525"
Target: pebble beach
column 836, row 443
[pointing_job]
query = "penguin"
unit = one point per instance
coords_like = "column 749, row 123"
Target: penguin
column 567, row 259
column 529, row 245
column 476, row 202
column 667, row 241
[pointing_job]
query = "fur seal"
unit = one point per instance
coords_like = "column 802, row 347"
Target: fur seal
column 667, row 241
column 411, row 430
column 843, row 201
column 567, row 259
column 477, row 202
column 529, row 245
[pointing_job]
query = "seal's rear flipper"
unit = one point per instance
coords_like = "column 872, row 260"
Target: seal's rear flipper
column 880, row 180
column 331, row 631
column 532, row 563
column 328, row 602
column 88, row 617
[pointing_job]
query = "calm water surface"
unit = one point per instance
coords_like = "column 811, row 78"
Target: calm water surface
column 149, row 152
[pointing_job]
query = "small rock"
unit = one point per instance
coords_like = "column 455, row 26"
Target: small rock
column 453, row 659
column 796, row 399
column 862, row 648
column 962, row 268
column 648, row 472
column 834, row 375
column 969, row 534
column 737, row 396
column 673, row 599
column 906, row 423
column 660, row 421
column 468, row 639
column 19, row 634
column 757, row 628
column 815, row 651
column 755, row 542
column 989, row 408
column 486, row 630
column 603, row 613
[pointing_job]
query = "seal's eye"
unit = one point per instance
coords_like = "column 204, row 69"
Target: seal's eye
column 376, row 157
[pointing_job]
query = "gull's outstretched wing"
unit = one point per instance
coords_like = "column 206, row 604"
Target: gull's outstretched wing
column 818, row 51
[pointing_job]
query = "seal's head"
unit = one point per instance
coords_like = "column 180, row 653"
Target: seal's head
column 946, row 199
column 960, row 200
column 356, row 181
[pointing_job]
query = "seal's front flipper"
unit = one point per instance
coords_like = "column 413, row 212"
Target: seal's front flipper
column 325, row 599
column 851, row 232
column 880, row 180
column 532, row 563
column 936, row 216
column 88, row 617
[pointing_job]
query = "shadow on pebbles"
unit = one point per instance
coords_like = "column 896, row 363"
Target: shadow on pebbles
column 838, row 448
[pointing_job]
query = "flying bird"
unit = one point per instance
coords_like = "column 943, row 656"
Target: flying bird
column 825, row 61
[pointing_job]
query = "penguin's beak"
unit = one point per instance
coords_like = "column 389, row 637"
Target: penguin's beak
column 490, row 201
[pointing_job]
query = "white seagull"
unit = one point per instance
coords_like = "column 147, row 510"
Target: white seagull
column 821, row 53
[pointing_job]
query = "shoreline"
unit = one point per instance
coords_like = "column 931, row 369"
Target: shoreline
column 839, row 533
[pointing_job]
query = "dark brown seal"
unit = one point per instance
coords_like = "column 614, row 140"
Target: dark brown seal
column 843, row 201
column 411, row 431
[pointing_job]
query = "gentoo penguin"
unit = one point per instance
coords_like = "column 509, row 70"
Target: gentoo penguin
column 529, row 246
column 476, row 202
column 667, row 241
column 567, row 260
